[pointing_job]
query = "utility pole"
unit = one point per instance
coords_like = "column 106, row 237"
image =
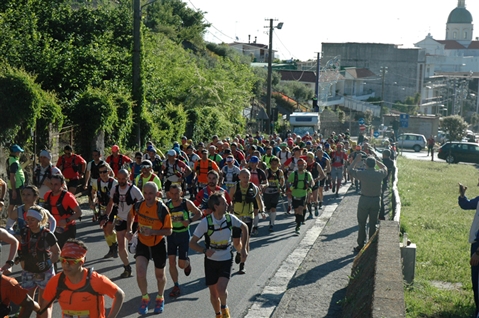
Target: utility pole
column 318, row 80
column 384, row 71
column 270, row 75
column 136, row 84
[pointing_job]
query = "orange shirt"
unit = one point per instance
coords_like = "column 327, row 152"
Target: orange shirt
column 202, row 167
column 148, row 217
column 12, row 291
column 69, row 201
column 82, row 304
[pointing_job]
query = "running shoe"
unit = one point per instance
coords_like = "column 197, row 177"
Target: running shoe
column 127, row 272
column 316, row 210
column 336, row 195
column 159, row 305
column 255, row 231
column 238, row 258
column 143, row 310
column 187, row 269
column 296, row 230
column 109, row 254
column 271, row 228
column 241, row 269
column 288, row 209
column 175, row 292
column 225, row 312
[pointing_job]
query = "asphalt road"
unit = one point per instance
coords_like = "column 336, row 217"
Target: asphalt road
column 268, row 250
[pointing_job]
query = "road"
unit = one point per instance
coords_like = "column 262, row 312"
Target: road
column 268, row 250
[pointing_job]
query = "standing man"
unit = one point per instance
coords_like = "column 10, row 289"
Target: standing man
column 300, row 182
column 217, row 229
column 72, row 167
column 117, row 160
column 473, row 204
column 369, row 202
column 430, row 146
column 68, row 286
column 16, row 178
column 154, row 223
column 178, row 241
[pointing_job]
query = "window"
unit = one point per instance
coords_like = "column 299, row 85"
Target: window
column 454, row 35
column 465, row 35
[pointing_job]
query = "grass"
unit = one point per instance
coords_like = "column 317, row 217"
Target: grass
column 440, row 228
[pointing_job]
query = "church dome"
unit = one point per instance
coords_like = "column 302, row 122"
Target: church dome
column 460, row 15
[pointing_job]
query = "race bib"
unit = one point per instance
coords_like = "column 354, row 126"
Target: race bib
column 76, row 314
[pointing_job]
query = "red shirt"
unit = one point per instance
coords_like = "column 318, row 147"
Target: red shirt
column 66, row 166
column 338, row 158
column 69, row 201
column 114, row 162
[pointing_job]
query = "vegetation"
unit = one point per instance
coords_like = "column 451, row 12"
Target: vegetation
column 409, row 106
column 81, row 52
column 440, row 229
column 455, row 126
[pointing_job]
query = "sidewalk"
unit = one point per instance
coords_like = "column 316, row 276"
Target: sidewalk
column 313, row 278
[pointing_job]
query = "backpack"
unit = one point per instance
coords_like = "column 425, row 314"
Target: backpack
column 198, row 166
column 120, row 161
column 128, row 198
column 102, row 195
column 305, row 181
column 47, row 174
column 159, row 209
column 140, row 181
column 61, row 210
column 74, row 165
column 61, row 287
column 167, row 168
column 211, row 227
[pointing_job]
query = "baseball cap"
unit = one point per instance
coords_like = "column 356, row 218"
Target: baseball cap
column 204, row 151
column 184, row 137
column 171, row 152
column 146, row 163
column 115, row 148
column 16, row 148
column 45, row 153
column 254, row 159
column 151, row 148
column 229, row 159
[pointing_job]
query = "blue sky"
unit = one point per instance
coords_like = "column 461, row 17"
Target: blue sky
column 307, row 23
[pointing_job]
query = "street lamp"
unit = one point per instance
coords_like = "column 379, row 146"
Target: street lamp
column 270, row 71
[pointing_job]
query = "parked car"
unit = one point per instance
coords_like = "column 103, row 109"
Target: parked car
column 411, row 141
column 459, row 151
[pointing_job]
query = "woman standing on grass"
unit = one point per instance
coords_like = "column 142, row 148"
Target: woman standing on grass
column 38, row 252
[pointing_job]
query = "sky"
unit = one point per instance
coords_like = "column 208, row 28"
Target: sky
column 308, row 23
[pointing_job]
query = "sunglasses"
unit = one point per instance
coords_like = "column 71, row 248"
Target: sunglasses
column 70, row 261
column 143, row 167
column 103, row 171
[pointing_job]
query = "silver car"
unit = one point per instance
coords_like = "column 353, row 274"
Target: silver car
column 412, row 141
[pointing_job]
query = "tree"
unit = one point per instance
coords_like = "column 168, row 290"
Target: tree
column 455, row 126
column 299, row 91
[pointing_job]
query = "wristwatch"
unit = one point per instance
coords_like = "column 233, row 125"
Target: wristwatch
column 10, row 262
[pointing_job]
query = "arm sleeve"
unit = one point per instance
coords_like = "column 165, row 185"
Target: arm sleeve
column 467, row 204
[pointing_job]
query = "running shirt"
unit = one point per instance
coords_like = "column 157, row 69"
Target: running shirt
column 231, row 175
column 71, row 166
column 69, row 201
column 15, row 167
column 82, row 304
column 140, row 181
column 338, row 158
column 148, row 218
column 123, row 207
column 283, row 156
column 274, row 178
column 170, row 170
column 220, row 237
column 11, row 291
column 299, row 191
column 43, row 174
column 257, row 176
column 118, row 162
column 93, row 168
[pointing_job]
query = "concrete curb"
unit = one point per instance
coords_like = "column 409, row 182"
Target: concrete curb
column 265, row 304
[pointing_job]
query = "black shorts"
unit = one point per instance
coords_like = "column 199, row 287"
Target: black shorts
column 270, row 200
column 321, row 182
column 120, row 225
column 297, row 202
column 315, row 186
column 157, row 252
column 63, row 237
column 178, row 244
column 237, row 230
column 18, row 200
column 217, row 269
column 73, row 183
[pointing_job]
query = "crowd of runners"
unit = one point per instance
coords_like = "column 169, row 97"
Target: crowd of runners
column 145, row 205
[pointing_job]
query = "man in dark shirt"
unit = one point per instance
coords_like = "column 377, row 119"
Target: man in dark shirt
column 391, row 168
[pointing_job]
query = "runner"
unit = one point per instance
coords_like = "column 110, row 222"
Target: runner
column 135, row 166
column 174, row 171
column 323, row 159
column 124, row 196
column 9, row 239
column 299, row 183
column 147, row 176
column 338, row 159
column 180, row 210
column 229, row 173
column 246, row 204
column 72, row 167
column 191, row 179
column 64, row 208
column 318, row 174
column 202, row 197
column 91, row 177
column 116, row 160
column 12, row 292
column 154, row 223
column 202, row 167
column 38, row 252
column 102, row 195
column 217, row 229
column 275, row 177
column 80, row 291
column 43, row 173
